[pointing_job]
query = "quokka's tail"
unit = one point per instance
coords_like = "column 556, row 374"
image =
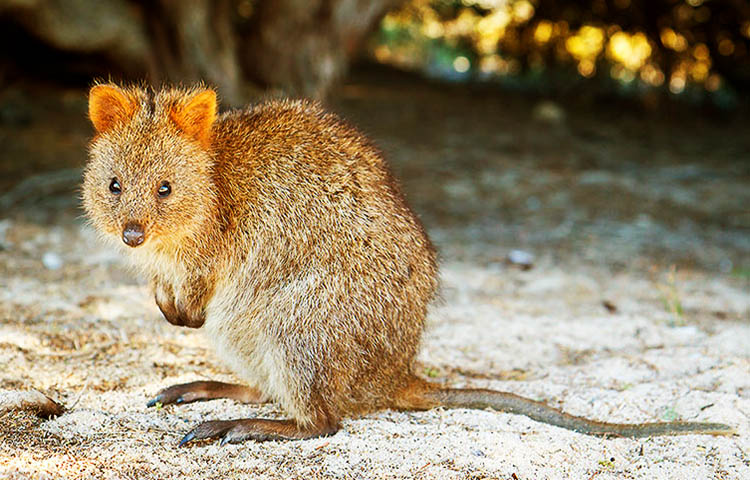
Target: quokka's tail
column 422, row 394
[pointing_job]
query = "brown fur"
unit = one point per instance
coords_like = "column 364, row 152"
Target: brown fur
column 286, row 237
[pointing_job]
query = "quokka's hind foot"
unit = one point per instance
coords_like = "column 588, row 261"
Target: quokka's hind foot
column 258, row 429
column 207, row 390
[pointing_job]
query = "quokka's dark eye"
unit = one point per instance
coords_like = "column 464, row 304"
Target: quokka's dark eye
column 164, row 190
column 114, row 186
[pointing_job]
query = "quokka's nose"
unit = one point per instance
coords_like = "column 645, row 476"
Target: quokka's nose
column 132, row 234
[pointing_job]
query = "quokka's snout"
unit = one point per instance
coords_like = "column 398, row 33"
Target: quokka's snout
column 133, row 234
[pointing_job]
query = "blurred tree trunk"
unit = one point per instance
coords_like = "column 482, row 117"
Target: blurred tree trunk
column 194, row 40
column 299, row 46
column 303, row 46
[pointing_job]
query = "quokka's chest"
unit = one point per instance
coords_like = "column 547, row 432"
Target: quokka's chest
column 239, row 329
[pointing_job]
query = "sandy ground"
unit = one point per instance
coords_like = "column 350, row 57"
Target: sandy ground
column 637, row 307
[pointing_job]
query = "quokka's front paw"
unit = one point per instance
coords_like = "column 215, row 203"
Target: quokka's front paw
column 190, row 316
column 169, row 311
column 179, row 315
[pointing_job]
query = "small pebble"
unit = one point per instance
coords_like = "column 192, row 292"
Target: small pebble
column 52, row 261
column 549, row 112
column 4, row 227
column 611, row 307
column 521, row 258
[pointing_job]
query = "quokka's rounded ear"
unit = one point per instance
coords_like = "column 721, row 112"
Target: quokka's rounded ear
column 109, row 106
column 195, row 114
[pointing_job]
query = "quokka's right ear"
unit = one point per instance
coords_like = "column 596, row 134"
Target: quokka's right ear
column 195, row 113
column 110, row 106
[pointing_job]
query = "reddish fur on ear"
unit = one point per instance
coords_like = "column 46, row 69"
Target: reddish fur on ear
column 195, row 115
column 109, row 106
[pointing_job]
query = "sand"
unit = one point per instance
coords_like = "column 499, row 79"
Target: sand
column 626, row 315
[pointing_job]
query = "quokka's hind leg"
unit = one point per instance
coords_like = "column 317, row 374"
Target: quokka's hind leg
column 258, row 429
column 322, row 423
column 207, row 390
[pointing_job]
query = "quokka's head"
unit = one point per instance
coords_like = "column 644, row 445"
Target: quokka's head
column 148, row 180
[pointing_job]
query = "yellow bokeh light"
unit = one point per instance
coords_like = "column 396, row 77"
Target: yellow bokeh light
column 495, row 21
column 466, row 22
column 487, row 44
column 485, row 4
column 630, row 50
column 700, row 52
column 746, row 29
column 652, row 75
column 543, row 32
column 673, row 40
column 463, row 25
column 677, row 83
column 699, row 71
column 491, row 64
column 616, row 71
column 627, row 75
column 382, row 53
column 587, row 43
column 433, row 29
column 586, row 68
column 726, row 47
column 490, row 29
column 390, row 21
column 523, row 10
column 245, row 8
column 713, row 82
column 513, row 27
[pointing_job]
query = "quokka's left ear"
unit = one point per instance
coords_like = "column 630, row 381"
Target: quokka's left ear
column 195, row 114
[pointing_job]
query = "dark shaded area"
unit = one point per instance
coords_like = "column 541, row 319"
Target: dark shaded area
column 32, row 59
column 241, row 47
column 609, row 184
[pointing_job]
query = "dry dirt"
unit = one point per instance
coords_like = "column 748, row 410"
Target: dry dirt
column 636, row 308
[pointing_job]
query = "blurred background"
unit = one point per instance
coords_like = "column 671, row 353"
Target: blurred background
column 695, row 49
column 615, row 125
